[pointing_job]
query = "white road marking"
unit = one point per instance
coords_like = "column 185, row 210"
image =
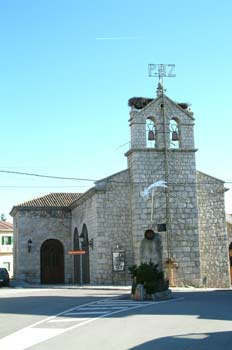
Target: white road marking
column 125, row 302
column 105, row 307
column 70, row 319
column 27, row 337
column 101, row 308
column 86, row 313
column 33, row 334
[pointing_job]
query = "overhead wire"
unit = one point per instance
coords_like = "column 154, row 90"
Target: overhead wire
column 107, row 180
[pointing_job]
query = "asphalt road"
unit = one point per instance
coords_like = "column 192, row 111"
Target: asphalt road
column 58, row 319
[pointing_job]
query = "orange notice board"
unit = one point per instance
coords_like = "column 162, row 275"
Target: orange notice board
column 77, row 252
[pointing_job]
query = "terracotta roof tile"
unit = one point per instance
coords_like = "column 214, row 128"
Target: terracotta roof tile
column 6, row 226
column 54, row 200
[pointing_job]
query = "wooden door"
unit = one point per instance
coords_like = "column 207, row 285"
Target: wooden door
column 52, row 262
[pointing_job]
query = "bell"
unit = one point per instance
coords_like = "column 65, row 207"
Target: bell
column 151, row 135
column 175, row 136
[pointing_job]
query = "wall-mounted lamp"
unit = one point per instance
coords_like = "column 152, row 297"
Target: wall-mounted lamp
column 29, row 245
column 91, row 243
column 87, row 244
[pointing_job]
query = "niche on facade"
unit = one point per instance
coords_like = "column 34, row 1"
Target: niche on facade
column 76, row 258
column 174, row 132
column 151, row 249
column 84, row 237
column 76, row 239
column 150, row 132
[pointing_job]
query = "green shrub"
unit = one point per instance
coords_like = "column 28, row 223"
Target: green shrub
column 149, row 275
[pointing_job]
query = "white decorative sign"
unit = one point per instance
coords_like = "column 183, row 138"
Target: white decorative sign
column 161, row 70
column 146, row 192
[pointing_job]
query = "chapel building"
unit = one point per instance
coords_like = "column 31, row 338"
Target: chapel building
column 159, row 209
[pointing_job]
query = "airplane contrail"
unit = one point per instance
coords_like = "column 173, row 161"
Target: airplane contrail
column 118, row 37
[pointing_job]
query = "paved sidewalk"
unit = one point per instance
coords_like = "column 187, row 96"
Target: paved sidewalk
column 23, row 284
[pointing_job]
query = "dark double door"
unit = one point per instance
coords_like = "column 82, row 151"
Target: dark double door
column 81, row 262
column 52, row 262
column 81, row 265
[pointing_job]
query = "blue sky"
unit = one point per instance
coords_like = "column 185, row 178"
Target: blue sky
column 68, row 68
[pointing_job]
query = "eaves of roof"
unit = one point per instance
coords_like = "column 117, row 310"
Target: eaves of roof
column 49, row 201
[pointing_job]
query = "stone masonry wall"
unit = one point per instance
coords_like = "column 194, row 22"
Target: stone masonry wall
column 86, row 213
column 229, row 228
column 114, row 228
column 213, row 235
column 39, row 225
column 107, row 216
column 229, row 235
column 184, row 243
column 147, row 165
column 155, row 112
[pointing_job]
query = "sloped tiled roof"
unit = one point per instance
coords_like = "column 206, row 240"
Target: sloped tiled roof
column 5, row 226
column 51, row 200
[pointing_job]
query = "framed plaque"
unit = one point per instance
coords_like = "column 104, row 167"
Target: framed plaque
column 118, row 259
column 161, row 227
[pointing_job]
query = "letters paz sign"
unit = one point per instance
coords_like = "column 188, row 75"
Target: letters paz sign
column 161, row 70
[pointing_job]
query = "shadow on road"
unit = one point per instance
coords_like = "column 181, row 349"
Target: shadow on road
column 195, row 341
column 214, row 305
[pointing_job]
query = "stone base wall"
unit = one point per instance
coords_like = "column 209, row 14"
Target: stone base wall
column 182, row 240
column 229, row 230
column 108, row 218
column 213, row 236
column 85, row 213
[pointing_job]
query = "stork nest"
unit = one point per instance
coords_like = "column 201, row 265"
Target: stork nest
column 139, row 102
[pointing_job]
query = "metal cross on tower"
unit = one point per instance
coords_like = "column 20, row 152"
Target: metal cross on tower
column 161, row 71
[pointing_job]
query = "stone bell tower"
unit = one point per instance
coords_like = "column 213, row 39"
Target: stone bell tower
column 165, row 221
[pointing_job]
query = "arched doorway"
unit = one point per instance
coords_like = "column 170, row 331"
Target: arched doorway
column 52, row 262
column 76, row 258
column 85, row 257
column 230, row 254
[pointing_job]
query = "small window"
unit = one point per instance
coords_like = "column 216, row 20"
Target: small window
column 7, row 240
